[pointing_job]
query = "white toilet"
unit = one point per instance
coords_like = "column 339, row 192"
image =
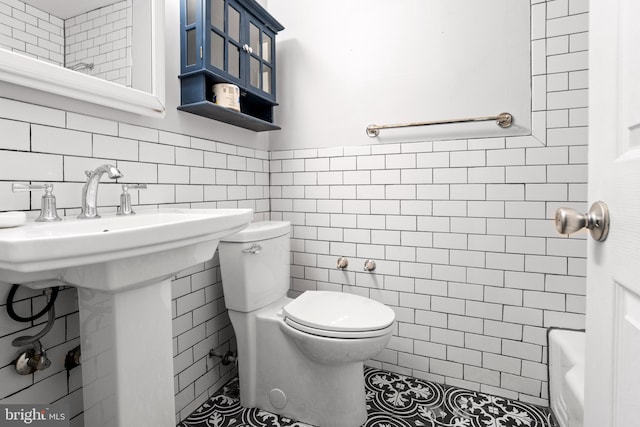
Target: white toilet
column 301, row 358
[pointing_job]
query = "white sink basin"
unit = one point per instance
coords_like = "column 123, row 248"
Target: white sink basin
column 39, row 251
column 122, row 266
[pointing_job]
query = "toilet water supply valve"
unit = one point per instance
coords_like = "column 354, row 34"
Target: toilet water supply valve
column 228, row 357
column 34, row 357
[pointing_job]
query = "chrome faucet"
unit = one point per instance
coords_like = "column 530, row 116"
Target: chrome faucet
column 90, row 190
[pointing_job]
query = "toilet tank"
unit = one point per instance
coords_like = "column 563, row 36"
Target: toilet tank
column 255, row 265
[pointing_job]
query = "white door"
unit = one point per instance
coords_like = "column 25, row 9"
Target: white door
column 612, row 389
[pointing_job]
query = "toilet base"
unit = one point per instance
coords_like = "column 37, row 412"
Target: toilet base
column 277, row 377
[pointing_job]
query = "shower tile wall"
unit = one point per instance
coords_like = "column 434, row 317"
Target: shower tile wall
column 460, row 230
column 41, row 144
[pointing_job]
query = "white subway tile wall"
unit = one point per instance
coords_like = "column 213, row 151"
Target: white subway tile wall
column 58, row 149
column 460, row 230
column 32, row 32
column 102, row 37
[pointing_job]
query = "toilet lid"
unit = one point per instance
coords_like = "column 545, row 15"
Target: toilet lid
column 337, row 311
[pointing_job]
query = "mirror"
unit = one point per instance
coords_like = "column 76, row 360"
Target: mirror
column 113, row 54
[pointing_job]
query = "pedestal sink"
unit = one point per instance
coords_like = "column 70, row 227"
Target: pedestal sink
column 122, row 266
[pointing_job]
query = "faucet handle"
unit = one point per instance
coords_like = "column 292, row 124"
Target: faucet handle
column 48, row 211
column 125, row 198
column 126, row 187
column 18, row 187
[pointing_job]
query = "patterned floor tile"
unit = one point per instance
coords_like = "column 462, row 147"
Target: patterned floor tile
column 393, row 400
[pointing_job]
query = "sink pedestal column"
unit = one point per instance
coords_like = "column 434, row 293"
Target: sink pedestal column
column 127, row 357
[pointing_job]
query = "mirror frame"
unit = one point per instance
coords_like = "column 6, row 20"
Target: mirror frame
column 26, row 71
column 538, row 78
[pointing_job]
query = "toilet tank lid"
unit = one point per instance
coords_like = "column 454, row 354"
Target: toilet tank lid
column 261, row 230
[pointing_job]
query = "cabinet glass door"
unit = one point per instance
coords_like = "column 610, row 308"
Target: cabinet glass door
column 217, row 34
column 261, row 58
column 190, row 11
column 233, row 44
column 225, row 34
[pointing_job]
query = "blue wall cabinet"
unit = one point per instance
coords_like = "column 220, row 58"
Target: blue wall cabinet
column 229, row 41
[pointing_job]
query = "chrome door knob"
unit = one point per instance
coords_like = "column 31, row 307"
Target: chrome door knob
column 568, row 221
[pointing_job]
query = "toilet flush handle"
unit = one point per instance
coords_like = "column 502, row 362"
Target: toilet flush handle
column 254, row 249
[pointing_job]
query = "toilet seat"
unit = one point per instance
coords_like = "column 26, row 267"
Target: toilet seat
column 338, row 315
column 336, row 334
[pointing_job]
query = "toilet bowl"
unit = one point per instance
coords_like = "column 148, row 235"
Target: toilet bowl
column 336, row 328
column 301, row 358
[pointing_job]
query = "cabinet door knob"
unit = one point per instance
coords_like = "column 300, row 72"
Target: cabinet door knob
column 247, row 48
column 569, row 221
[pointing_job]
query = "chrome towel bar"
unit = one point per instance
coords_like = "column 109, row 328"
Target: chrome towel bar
column 503, row 120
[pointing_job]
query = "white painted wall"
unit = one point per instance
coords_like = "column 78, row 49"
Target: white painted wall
column 394, row 62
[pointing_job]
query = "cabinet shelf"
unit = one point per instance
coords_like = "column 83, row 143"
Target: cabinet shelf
column 212, row 111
